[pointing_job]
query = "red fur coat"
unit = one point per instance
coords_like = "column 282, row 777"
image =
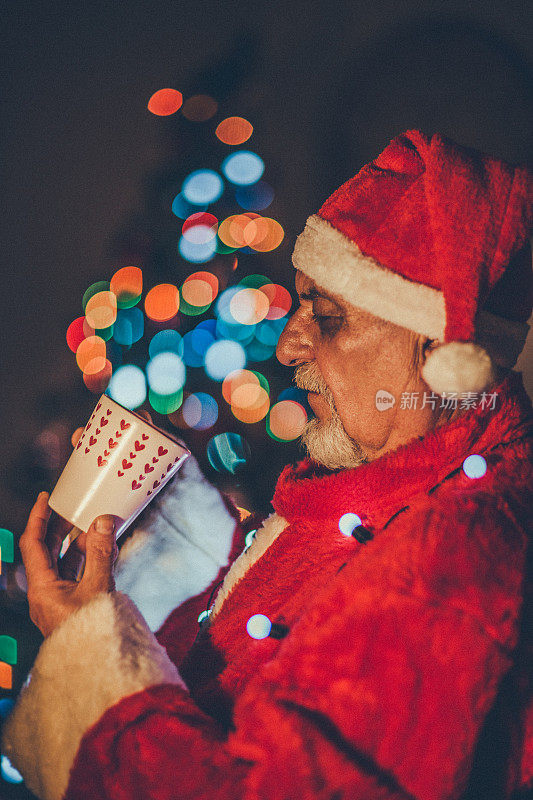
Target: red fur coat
column 398, row 667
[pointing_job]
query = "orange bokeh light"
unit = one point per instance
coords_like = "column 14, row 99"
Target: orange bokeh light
column 6, row 675
column 200, row 289
column 165, row 102
column 199, row 108
column 279, row 298
column 236, row 379
column 97, row 382
column 287, row 419
column 231, row 230
column 268, row 235
column 101, row 310
column 249, row 306
column 234, row 130
column 91, row 355
column 258, row 407
column 127, row 284
column 162, row 302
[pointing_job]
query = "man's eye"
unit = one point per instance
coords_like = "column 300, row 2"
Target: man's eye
column 327, row 323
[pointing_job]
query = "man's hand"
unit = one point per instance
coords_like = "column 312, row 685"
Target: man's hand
column 51, row 598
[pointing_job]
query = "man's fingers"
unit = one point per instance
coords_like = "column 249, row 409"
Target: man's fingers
column 76, row 436
column 35, row 554
column 101, row 552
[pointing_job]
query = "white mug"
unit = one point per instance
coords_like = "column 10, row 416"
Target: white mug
column 118, row 466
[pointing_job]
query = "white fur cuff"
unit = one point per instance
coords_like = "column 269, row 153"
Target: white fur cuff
column 100, row 654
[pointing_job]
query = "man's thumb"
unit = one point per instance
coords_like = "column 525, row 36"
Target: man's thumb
column 101, row 552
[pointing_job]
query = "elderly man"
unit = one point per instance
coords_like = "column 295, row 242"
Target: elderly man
column 393, row 655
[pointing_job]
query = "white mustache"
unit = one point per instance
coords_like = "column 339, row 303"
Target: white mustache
column 307, row 377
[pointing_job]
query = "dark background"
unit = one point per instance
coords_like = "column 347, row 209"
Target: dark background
column 87, row 172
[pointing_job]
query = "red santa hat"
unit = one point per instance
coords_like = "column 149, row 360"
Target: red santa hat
column 433, row 236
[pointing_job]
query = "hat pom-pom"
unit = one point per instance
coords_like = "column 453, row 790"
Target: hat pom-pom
column 458, row 367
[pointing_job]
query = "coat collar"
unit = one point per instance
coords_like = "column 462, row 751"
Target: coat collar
column 378, row 490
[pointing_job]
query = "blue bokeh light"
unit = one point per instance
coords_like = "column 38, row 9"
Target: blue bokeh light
column 197, row 252
column 200, row 411
column 223, row 357
column 474, row 466
column 128, row 386
column 243, row 167
column 195, row 345
column 183, row 209
column 129, row 326
column 9, row 773
column 228, row 452
column 256, row 197
column 167, row 341
column 166, row 373
column 203, row 186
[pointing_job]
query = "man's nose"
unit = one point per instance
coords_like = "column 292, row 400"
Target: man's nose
column 294, row 346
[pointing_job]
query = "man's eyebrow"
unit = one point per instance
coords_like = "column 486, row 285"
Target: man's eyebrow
column 314, row 294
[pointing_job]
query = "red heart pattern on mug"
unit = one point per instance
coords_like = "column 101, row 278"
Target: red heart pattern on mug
column 126, row 464
column 92, row 440
column 148, row 468
column 148, row 493
column 101, row 461
column 118, row 435
column 139, row 446
column 87, row 426
column 124, row 425
column 135, row 485
column 103, row 422
column 142, row 477
column 133, row 455
column 98, row 431
column 106, row 452
column 120, row 474
column 154, row 460
column 145, row 437
column 162, row 451
column 111, row 444
column 109, row 412
column 98, row 406
column 87, row 450
column 156, row 484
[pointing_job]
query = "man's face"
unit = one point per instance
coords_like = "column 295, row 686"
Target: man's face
column 354, row 355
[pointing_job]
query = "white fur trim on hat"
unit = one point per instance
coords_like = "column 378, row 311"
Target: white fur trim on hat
column 458, row 367
column 98, row 655
column 337, row 264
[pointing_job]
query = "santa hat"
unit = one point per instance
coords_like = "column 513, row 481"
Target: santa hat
column 433, row 237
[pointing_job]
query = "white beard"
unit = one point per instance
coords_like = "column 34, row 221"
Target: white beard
column 326, row 442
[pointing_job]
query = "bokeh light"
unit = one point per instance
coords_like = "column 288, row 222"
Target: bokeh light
column 249, row 306
column 286, row 420
column 165, row 403
column 199, row 108
column 259, row 626
column 200, row 411
column 94, row 288
column 256, row 197
column 101, row 310
column 223, row 357
column 127, row 286
column 6, row 676
column 257, row 351
column 243, row 167
column 9, row 773
column 183, row 209
column 200, row 227
column 98, row 382
column 474, row 466
column 195, row 346
column 200, row 289
column 263, row 234
column 77, row 331
column 91, row 355
column 7, row 545
column 128, row 386
column 162, row 302
column 348, row 523
column 234, row 330
column 129, row 326
column 231, row 230
column 197, row 252
column 269, row 331
column 279, row 298
column 228, row 452
column 166, row 373
column 167, row 341
column 250, row 404
column 202, row 186
column 234, row 130
column 165, row 102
